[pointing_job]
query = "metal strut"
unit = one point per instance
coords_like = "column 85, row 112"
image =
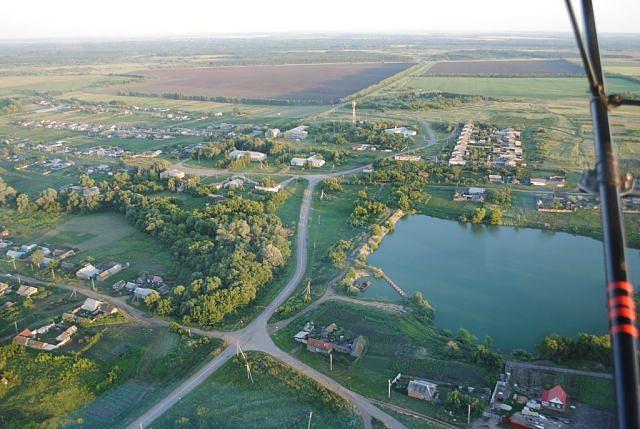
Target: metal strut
column 609, row 184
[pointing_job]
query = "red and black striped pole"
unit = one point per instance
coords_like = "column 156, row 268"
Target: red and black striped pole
column 620, row 292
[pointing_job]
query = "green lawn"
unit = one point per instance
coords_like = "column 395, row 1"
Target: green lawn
column 596, row 392
column 528, row 87
column 279, row 397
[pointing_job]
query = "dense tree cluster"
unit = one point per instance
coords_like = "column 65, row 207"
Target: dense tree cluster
column 229, row 251
column 367, row 210
column 338, row 253
column 559, row 348
column 420, row 100
column 344, row 133
column 459, row 403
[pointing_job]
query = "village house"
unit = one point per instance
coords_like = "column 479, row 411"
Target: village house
column 14, row 254
column 297, row 133
column 253, row 155
column 272, row 133
column 172, row 173
column 87, row 272
column 406, row 157
column 115, row 268
column 319, row 346
column 29, row 338
column 555, row 398
column 89, row 311
column 365, row 147
column 422, row 389
column 471, row 194
column 538, row 181
column 495, row 178
column 404, row 131
column 90, row 192
column 26, row 291
column 4, row 288
column 154, row 282
column 141, row 293
column 272, row 188
column 314, row 161
column 26, row 248
column 120, row 285
column 301, row 337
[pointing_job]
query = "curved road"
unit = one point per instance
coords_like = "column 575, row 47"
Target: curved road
column 255, row 336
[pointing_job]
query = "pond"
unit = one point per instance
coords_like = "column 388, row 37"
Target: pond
column 515, row 284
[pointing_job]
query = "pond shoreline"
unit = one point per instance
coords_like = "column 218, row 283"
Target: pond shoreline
column 515, row 284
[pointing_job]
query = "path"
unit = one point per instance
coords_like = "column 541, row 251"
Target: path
column 569, row 371
column 329, row 295
column 255, row 336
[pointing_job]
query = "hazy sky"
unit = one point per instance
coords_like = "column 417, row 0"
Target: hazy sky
column 21, row 19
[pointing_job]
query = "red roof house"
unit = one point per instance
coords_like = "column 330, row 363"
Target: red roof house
column 319, row 346
column 555, row 398
column 25, row 333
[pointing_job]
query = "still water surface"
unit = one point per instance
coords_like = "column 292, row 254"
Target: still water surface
column 515, row 284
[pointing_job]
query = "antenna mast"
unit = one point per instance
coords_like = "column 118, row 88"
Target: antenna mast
column 353, row 112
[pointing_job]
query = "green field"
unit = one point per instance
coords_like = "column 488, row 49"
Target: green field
column 162, row 360
column 279, row 397
column 328, row 214
column 556, row 87
column 108, row 236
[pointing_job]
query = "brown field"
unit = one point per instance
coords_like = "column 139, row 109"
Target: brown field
column 506, row 68
column 325, row 83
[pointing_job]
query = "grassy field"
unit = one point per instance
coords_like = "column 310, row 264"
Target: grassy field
column 596, row 392
column 279, row 397
column 552, row 87
column 108, row 236
column 328, row 214
column 395, row 343
column 162, row 360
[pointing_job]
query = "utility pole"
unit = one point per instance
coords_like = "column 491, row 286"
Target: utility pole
column 246, row 362
column 307, row 290
column 309, row 424
column 93, row 284
column 353, row 112
column 468, row 414
column 389, row 390
column 330, row 361
column 15, row 323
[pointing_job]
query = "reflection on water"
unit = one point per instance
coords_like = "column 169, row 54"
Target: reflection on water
column 515, row 284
